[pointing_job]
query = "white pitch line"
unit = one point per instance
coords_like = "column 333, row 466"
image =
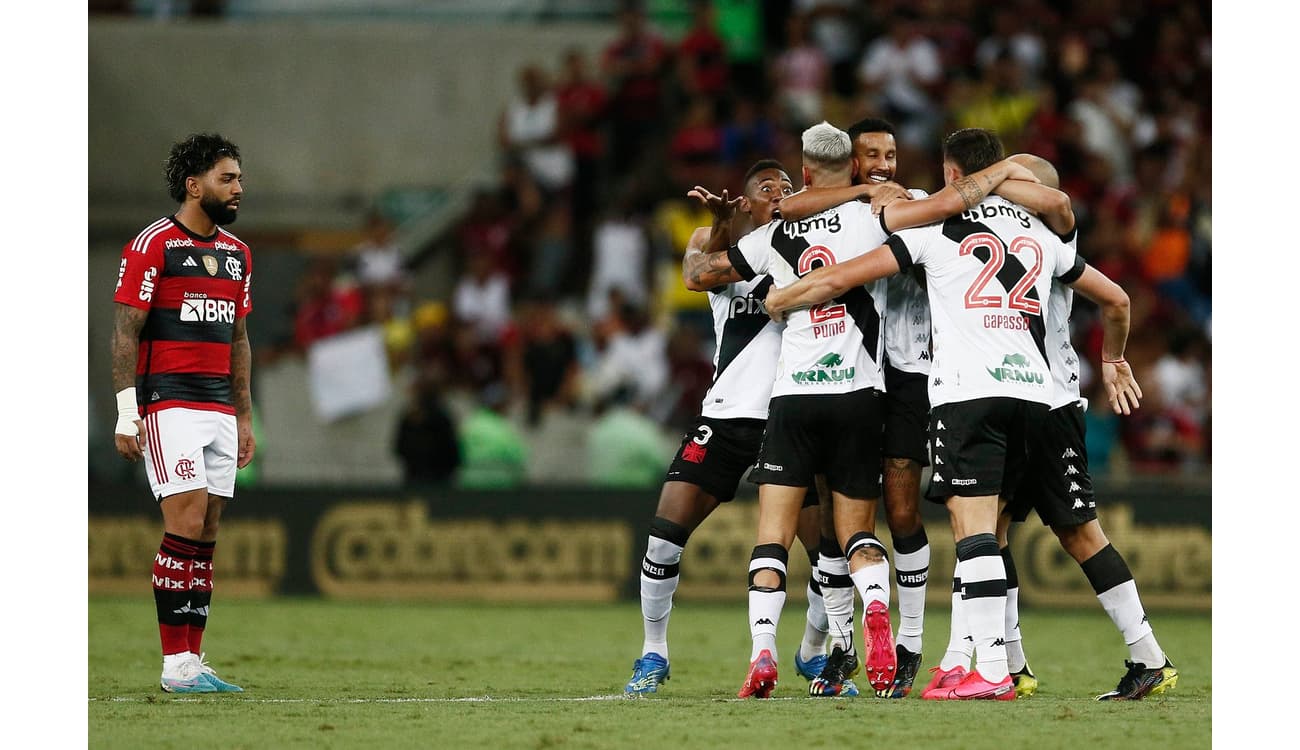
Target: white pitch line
column 474, row 699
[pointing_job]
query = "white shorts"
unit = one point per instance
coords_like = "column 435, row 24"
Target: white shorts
column 189, row 449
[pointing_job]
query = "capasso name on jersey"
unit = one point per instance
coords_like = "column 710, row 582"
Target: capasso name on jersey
column 991, row 210
column 802, row 227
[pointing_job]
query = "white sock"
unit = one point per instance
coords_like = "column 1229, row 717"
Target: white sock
column 837, row 595
column 1016, row 660
column 986, row 615
column 764, row 616
column 659, row 579
column 1125, row 609
column 172, row 662
column 960, row 645
column 872, row 582
column 816, row 628
column 911, row 571
column 764, row 604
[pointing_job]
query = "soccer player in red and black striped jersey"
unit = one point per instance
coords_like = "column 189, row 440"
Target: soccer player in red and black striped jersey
column 181, row 370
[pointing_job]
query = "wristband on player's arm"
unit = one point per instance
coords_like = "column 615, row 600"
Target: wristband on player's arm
column 127, row 412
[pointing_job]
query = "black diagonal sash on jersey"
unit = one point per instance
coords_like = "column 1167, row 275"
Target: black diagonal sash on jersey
column 789, row 248
column 861, row 306
column 858, row 302
column 957, row 229
column 741, row 329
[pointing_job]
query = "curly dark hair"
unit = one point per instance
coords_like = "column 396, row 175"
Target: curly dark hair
column 192, row 157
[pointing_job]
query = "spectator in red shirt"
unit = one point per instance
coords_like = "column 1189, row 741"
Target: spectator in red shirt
column 325, row 307
column 584, row 107
column 702, row 55
column 633, row 64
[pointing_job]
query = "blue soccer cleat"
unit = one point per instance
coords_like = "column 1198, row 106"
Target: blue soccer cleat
column 208, row 674
column 188, row 677
column 647, row 673
column 811, row 668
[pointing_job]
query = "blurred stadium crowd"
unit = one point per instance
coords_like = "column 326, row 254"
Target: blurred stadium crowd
column 568, row 297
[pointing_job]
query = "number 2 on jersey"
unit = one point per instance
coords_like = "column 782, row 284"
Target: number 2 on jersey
column 825, row 311
column 1015, row 299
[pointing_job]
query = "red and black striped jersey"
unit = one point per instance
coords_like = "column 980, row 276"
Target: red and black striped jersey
column 194, row 289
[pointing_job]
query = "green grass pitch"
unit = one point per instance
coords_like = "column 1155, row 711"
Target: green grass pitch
column 324, row 674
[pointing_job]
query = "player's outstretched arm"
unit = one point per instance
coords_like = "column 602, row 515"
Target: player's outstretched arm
column 954, row 198
column 1051, row 205
column 1122, row 388
column 241, row 367
column 828, row 282
column 128, row 436
column 701, row 270
column 814, row 200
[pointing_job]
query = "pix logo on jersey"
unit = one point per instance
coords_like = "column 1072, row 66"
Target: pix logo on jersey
column 823, row 372
column 1015, row 368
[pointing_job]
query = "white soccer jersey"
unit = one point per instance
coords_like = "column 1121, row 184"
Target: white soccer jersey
column 907, row 321
column 988, row 273
column 834, row 347
column 747, row 345
column 1061, row 356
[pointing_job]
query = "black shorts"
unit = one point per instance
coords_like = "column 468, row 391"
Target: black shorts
column 838, row 435
column 1056, row 482
column 979, row 446
column 907, row 415
column 715, row 454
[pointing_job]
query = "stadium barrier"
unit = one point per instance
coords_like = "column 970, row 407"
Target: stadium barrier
column 585, row 544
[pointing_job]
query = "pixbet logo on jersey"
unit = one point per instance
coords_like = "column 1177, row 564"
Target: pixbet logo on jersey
column 203, row 310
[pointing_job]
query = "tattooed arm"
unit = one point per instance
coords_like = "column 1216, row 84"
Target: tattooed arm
column 954, row 198
column 241, row 369
column 128, row 436
column 701, row 270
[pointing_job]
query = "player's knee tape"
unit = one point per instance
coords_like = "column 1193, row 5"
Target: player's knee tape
column 1106, row 569
column 905, row 545
column 830, row 548
column 977, row 545
column 669, row 531
column 771, row 557
column 1009, row 562
column 864, row 540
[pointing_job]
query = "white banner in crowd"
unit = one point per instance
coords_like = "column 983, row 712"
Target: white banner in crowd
column 348, row 373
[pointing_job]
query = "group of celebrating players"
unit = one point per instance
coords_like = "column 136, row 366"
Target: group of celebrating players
column 864, row 331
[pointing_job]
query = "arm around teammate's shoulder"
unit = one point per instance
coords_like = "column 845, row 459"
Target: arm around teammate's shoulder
column 961, row 194
column 1052, row 206
column 828, row 282
column 703, row 269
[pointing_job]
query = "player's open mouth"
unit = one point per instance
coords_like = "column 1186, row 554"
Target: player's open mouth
column 879, row 176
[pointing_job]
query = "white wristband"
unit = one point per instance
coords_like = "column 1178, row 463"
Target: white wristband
column 127, row 412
